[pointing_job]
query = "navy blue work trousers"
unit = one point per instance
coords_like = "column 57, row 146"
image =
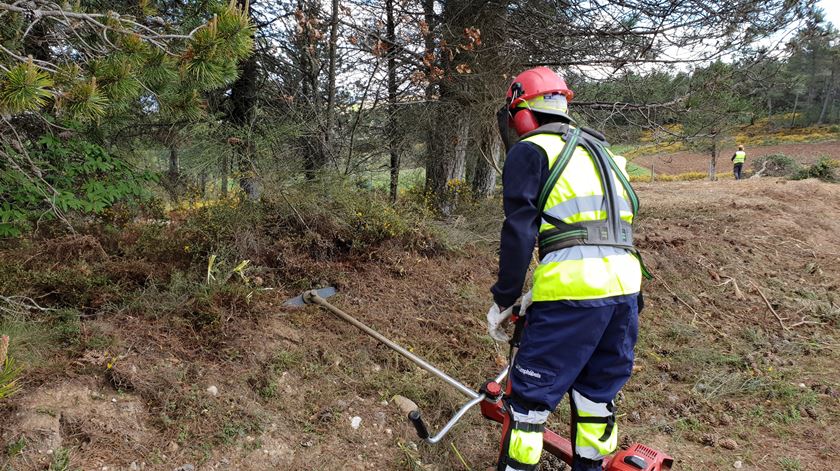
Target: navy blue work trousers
column 585, row 345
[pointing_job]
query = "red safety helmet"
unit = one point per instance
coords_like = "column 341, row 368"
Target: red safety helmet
column 529, row 85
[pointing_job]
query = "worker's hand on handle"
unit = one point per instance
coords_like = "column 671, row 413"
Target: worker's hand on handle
column 497, row 319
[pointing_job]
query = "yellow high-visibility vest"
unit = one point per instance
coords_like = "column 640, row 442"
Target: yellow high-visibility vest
column 589, row 271
column 740, row 157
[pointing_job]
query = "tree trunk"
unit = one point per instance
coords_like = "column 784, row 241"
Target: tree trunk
column 243, row 96
column 174, row 168
column 713, row 159
column 203, row 183
column 829, row 91
column 327, row 150
column 793, row 115
column 310, row 97
column 462, row 139
column 172, row 182
column 433, row 133
column 484, row 177
column 224, row 172
column 392, row 103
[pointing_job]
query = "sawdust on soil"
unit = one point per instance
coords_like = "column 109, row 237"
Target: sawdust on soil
column 692, row 161
column 713, row 362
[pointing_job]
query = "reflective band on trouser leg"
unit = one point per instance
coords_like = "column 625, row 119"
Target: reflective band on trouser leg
column 524, row 448
column 523, row 444
column 596, row 433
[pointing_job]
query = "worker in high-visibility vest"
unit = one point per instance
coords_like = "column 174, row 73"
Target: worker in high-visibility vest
column 564, row 188
column 738, row 159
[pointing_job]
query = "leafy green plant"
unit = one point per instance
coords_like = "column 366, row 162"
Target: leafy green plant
column 60, row 460
column 16, row 447
column 790, row 464
column 76, row 176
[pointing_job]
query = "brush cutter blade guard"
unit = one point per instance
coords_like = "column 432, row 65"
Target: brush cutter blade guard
column 306, row 298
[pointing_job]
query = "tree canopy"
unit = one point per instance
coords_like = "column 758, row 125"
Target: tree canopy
column 184, row 96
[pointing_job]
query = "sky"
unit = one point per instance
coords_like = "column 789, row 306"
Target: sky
column 832, row 11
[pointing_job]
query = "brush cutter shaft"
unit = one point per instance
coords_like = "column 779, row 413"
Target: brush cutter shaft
column 312, row 297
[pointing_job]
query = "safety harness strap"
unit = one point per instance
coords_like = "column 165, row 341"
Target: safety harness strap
column 583, row 233
column 561, row 161
column 614, row 231
column 528, row 427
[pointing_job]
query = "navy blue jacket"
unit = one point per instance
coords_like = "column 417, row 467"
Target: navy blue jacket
column 524, row 175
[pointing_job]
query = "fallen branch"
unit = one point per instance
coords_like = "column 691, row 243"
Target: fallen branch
column 300, row 218
column 738, row 294
column 805, row 322
column 770, row 306
column 19, row 304
column 760, row 172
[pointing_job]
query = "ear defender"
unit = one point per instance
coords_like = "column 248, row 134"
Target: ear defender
column 524, row 121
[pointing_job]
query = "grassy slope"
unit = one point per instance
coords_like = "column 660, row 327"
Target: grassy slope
column 141, row 324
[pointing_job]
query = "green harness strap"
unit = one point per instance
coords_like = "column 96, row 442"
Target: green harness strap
column 558, row 167
column 569, row 232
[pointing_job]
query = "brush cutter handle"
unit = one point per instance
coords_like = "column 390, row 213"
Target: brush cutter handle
column 423, row 432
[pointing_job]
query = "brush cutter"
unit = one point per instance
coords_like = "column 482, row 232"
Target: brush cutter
column 489, row 397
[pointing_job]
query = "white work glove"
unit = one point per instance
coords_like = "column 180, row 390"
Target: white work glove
column 497, row 321
column 497, row 318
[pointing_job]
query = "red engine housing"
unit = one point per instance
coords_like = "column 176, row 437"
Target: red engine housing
column 639, row 455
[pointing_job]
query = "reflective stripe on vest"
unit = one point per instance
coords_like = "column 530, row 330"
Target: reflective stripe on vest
column 740, row 157
column 583, row 272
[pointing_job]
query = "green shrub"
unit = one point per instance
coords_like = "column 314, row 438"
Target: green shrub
column 76, row 176
column 776, row 165
column 335, row 217
column 825, row 169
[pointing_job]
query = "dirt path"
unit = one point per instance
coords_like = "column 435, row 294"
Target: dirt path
column 685, row 161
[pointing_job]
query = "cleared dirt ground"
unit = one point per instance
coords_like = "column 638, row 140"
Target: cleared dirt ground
column 685, row 161
column 721, row 382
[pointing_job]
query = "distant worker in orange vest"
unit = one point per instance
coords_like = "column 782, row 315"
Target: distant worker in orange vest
column 738, row 159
